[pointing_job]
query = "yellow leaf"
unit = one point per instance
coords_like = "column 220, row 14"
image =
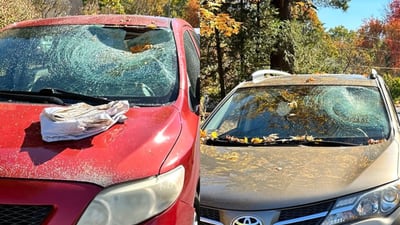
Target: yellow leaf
column 256, row 140
column 203, row 134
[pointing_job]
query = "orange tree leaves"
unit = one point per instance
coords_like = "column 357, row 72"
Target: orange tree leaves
column 212, row 18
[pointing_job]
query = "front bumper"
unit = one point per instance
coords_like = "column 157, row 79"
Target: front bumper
column 44, row 202
column 180, row 213
column 306, row 215
column 62, row 203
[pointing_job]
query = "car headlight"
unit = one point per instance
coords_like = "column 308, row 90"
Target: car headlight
column 134, row 202
column 379, row 202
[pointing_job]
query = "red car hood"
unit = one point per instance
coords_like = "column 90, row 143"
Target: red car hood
column 132, row 150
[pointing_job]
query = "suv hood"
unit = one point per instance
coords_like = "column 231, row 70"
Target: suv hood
column 264, row 178
column 132, row 150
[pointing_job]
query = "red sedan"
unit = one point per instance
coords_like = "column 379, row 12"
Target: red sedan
column 143, row 170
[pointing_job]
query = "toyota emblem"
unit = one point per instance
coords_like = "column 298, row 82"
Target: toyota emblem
column 247, row 220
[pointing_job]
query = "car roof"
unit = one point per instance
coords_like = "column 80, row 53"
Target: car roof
column 279, row 78
column 112, row 20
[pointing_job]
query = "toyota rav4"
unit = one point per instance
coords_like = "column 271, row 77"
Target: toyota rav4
column 302, row 150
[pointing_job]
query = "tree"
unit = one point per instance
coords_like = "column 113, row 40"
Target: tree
column 217, row 25
column 370, row 40
column 392, row 33
column 14, row 11
column 55, row 8
column 191, row 13
column 104, row 6
column 280, row 59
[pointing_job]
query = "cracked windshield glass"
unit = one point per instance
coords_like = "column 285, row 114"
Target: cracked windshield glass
column 267, row 115
column 136, row 64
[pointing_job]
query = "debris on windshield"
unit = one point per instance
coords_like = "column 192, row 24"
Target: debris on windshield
column 257, row 140
column 374, row 142
column 270, row 138
column 302, row 138
column 140, row 48
column 152, row 25
column 266, row 139
column 244, row 140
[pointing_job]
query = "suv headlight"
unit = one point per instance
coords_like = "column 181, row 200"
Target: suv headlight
column 134, row 202
column 378, row 202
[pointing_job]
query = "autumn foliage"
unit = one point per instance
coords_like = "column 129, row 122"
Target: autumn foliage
column 392, row 38
column 212, row 19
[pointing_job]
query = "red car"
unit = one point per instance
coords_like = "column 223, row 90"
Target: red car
column 144, row 170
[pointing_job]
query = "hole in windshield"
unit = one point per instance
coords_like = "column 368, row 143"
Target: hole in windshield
column 348, row 114
column 130, row 63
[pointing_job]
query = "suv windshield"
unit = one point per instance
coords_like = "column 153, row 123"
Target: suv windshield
column 340, row 114
column 133, row 63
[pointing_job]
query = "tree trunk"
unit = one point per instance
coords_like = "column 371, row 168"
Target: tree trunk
column 277, row 59
column 221, row 74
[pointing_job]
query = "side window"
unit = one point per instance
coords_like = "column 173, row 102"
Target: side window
column 196, row 35
column 193, row 70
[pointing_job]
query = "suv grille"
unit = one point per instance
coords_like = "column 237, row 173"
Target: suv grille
column 23, row 214
column 209, row 214
column 305, row 215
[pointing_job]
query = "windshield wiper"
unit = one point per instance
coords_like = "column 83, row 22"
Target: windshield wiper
column 30, row 97
column 315, row 142
column 220, row 141
column 273, row 140
column 72, row 96
column 50, row 95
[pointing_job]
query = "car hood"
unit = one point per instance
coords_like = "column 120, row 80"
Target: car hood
column 132, row 150
column 263, row 178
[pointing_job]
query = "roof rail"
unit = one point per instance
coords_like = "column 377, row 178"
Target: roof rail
column 259, row 75
column 373, row 74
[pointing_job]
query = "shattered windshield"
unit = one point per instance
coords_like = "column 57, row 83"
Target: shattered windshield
column 349, row 114
column 133, row 63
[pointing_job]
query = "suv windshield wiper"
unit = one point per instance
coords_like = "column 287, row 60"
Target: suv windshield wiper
column 50, row 95
column 274, row 140
column 314, row 142
column 220, row 141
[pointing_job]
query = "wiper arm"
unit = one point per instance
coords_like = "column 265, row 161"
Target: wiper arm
column 74, row 96
column 315, row 142
column 220, row 141
column 30, row 97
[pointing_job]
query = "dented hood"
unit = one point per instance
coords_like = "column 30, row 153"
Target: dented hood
column 263, row 178
column 132, row 150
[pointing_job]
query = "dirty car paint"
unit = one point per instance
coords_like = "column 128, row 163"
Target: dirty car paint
column 104, row 159
column 290, row 175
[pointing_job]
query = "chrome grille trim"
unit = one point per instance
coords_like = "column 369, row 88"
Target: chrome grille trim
column 208, row 221
column 303, row 218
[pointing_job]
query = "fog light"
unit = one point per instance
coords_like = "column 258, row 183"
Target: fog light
column 390, row 199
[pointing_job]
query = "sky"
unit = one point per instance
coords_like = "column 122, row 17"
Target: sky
column 356, row 14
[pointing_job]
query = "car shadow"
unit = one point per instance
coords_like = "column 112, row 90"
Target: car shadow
column 40, row 151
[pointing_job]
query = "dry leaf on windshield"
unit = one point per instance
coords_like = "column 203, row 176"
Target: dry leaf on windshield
column 140, row 48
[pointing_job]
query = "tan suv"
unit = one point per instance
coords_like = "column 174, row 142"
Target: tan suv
column 302, row 149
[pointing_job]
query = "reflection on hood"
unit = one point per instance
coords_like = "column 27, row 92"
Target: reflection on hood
column 263, row 177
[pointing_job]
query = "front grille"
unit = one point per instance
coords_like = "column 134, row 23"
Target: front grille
column 308, row 222
column 305, row 215
column 23, row 214
column 209, row 213
column 209, row 216
column 312, row 214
